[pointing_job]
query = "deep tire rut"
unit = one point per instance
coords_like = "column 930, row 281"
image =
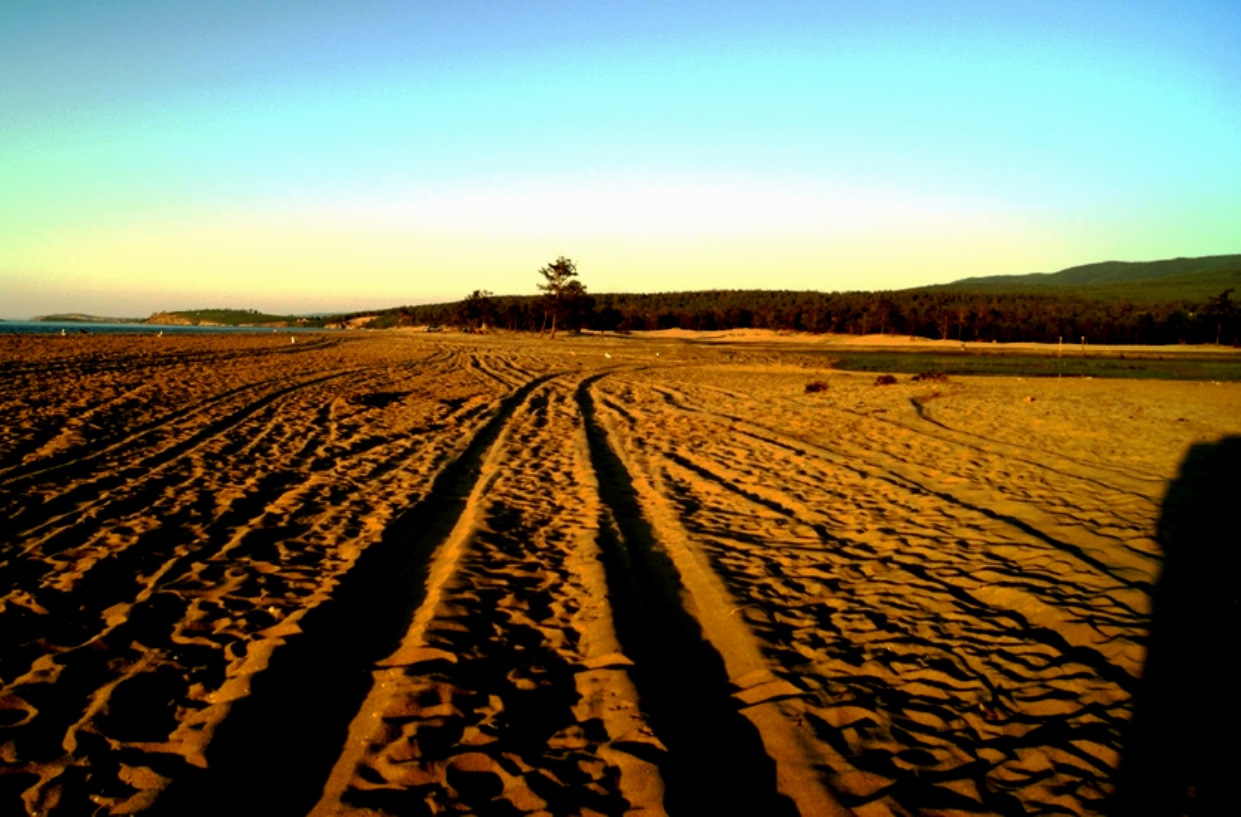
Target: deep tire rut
column 312, row 687
column 708, row 691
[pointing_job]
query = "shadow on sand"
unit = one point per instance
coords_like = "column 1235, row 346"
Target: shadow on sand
column 1181, row 756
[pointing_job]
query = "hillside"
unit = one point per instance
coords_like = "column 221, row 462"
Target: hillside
column 229, row 317
column 1175, row 279
column 193, row 317
column 78, row 317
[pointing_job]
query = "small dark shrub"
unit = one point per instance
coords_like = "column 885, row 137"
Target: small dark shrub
column 816, row 386
column 931, row 374
column 885, row 380
column 376, row 399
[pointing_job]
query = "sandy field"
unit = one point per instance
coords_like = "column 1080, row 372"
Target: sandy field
column 398, row 573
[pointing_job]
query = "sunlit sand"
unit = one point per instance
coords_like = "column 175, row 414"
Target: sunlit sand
column 401, row 573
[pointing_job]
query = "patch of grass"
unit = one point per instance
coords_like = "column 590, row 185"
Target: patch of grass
column 1146, row 366
column 930, row 375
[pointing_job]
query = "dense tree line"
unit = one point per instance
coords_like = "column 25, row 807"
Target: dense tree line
column 936, row 314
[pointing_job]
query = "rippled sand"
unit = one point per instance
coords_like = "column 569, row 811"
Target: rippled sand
column 404, row 574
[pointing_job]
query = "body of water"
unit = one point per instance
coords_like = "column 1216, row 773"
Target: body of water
column 74, row 328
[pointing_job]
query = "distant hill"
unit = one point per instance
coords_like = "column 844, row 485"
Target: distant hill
column 195, row 317
column 1175, row 279
column 78, row 317
column 229, row 317
column 1114, row 302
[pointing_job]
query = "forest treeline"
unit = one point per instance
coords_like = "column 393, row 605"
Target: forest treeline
column 936, row 314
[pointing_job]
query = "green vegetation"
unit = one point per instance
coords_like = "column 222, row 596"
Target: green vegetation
column 1158, row 367
column 945, row 315
column 564, row 297
column 1184, row 300
column 78, row 317
column 233, row 317
column 1140, row 282
column 477, row 312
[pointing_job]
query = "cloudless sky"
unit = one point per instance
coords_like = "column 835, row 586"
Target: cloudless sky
column 299, row 156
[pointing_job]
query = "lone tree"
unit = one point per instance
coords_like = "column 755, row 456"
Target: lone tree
column 558, row 288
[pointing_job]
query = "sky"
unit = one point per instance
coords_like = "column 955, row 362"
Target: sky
column 337, row 156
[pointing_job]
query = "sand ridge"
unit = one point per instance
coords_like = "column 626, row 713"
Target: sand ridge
column 443, row 574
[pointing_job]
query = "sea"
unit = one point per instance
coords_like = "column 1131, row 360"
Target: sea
column 91, row 328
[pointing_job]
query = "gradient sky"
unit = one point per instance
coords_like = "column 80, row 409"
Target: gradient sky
column 307, row 156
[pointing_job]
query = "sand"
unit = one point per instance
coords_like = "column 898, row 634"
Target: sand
column 398, row 573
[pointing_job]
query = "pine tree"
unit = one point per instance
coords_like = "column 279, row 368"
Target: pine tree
column 558, row 277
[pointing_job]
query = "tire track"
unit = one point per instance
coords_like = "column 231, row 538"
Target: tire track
column 509, row 691
column 307, row 698
column 122, row 357
column 76, row 420
column 73, row 502
column 661, row 586
column 180, row 610
column 942, row 660
column 877, row 463
column 74, row 462
column 711, row 695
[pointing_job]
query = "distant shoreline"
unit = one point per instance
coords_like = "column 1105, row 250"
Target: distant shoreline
column 101, row 328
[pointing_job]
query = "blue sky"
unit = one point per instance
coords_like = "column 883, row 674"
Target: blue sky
column 321, row 156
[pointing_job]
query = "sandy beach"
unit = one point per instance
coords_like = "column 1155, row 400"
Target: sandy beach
column 400, row 573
